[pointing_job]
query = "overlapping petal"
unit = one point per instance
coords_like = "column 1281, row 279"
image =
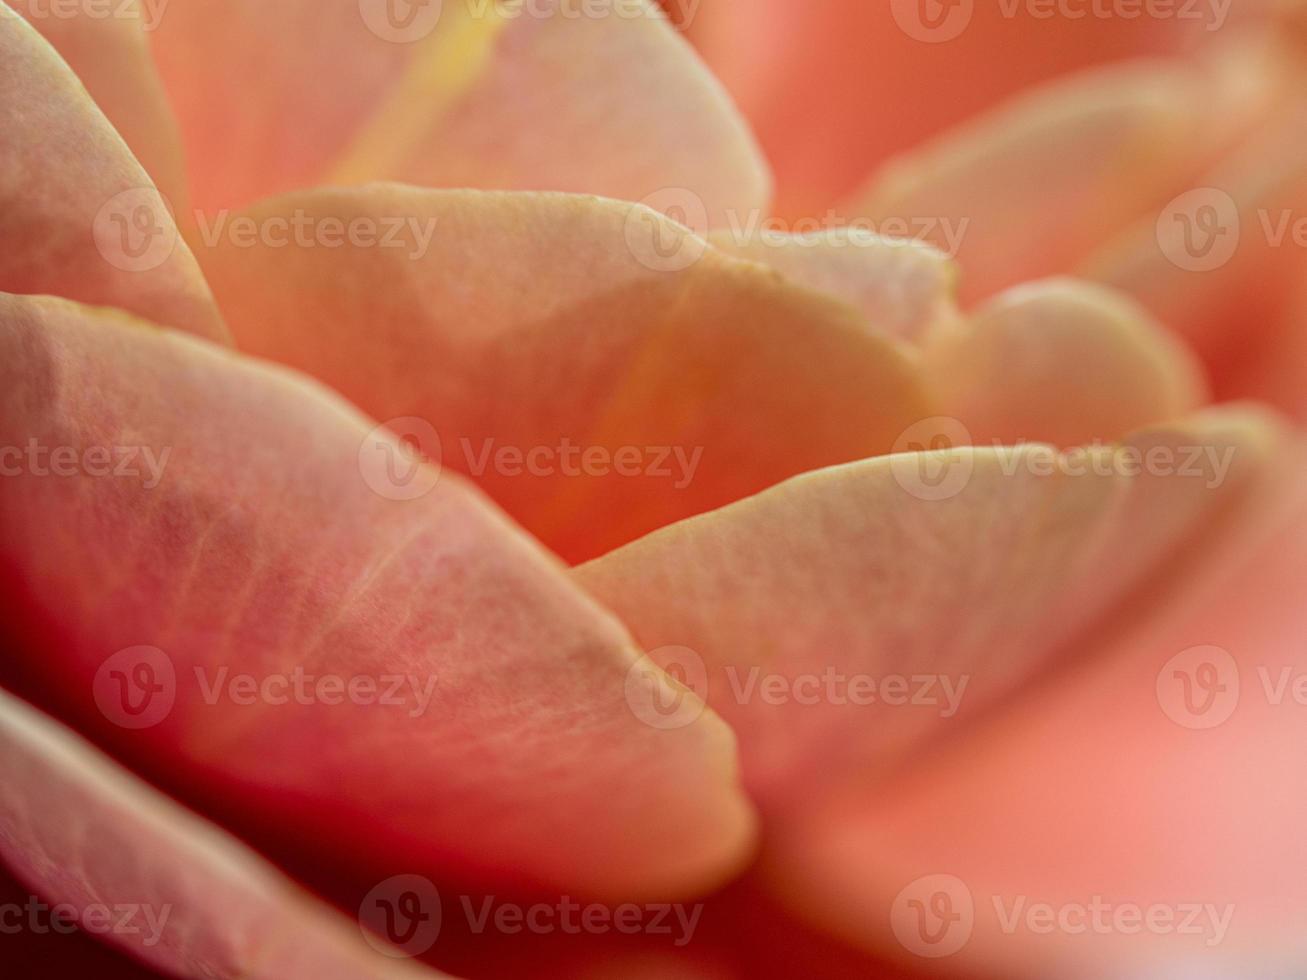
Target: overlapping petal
column 904, row 287
column 1062, row 362
column 597, row 97
column 841, row 618
column 181, row 526
column 79, row 215
column 598, row 369
column 835, row 88
column 1141, row 817
column 107, row 45
column 1040, row 181
column 155, row 879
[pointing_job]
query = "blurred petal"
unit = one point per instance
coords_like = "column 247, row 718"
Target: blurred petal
column 1164, row 776
column 80, row 217
column 836, row 87
column 1220, row 262
column 1038, row 182
column 276, row 541
column 108, row 47
column 468, row 93
column 903, row 287
column 85, row 833
column 837, row 620
column 599, row 370
column 1062, row 362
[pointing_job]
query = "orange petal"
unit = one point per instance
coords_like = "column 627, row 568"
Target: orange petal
column 598, row 369
column 108, row 47
column 464, row 93
column 1162, row 782
column 80, row 216
column 264, row 535
column 1063, row 362
column 903, row 287
column 1038, row 182
column 837, row 620
column 145, row 874
column 835, row 88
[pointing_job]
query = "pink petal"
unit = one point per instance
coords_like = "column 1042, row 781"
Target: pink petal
column 1063, row 362
column 110, row 52
column 903, row 287
column 1040, row 181
column 80, row 216
column 284, row 539
column 1220, row 261
column 1164, row 773
column 835, row 88
column 149, row 876
column 805, row 613
column 529, row 323
column 611, row 103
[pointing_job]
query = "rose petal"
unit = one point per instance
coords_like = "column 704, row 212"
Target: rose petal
column 539, row 95
column 86, row 833
column 1220, row 261
column 1062, row 362
column 1165, row 774
column 111, row 55
column 903, row 287
column 282, row 544
column 1038, row 182
column 835, row 88
column 80, row 217
column 805, row 613
column 599, row 370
